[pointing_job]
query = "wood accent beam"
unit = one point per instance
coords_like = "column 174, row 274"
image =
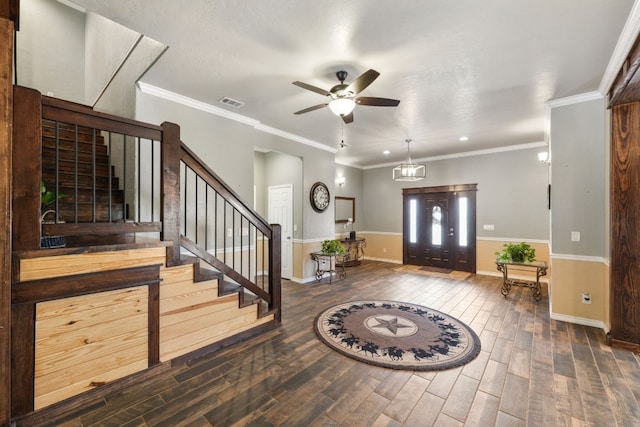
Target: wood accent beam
column 626, row 85
column 6, row 127
column 170, row 196
column 27, row 168
column 625, row 219
column 10, row 10
column 35, row 291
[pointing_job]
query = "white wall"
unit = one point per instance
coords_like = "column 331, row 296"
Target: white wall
column 50, row 49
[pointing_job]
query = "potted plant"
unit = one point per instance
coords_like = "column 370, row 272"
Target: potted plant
column 332, row 247
column 47, row 198
column 516, row 252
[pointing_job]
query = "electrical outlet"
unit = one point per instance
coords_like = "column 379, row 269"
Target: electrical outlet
column 586, row 298
column 489, row 227
column 575, row 236
column 229, row 232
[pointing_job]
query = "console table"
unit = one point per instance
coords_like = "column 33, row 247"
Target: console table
column 355, row 249
column 330, row 263
column 540, row 268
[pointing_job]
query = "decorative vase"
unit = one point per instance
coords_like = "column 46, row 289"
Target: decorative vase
column 352, row 235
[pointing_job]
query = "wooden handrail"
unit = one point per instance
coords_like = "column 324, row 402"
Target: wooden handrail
column 81, row 115
column 224, row 268
column 211, row 178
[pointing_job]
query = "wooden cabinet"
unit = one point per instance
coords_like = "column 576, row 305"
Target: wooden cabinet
column 355, row 248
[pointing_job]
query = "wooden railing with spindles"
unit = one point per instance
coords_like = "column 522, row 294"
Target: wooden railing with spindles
column 117, row 179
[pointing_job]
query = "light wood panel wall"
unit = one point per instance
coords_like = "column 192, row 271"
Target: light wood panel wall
column 85, row 341
column 90, row 262
column 192, row 315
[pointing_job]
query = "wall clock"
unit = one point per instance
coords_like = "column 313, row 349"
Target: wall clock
column 319, row 197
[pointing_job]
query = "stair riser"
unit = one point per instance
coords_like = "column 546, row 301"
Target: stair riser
column 49, row 156
column 70, row 145
column 86, row 196
column 83, row 169
column 66, row 182
column 85, row 214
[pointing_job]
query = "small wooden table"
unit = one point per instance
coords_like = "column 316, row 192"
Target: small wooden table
column 540, row 268
column 329, row 263
column 355, row 248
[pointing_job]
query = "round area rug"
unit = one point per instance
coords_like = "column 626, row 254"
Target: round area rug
column 397, row 335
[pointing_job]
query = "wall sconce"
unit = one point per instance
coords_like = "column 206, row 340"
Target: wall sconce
column 340, row 181
column 543, row 157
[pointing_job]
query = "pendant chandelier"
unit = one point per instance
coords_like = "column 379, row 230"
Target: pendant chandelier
column 408, row 170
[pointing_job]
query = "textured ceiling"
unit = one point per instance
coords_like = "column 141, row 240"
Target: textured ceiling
column 483, row 69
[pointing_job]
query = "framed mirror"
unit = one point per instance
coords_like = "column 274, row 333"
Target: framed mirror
column 345, row 209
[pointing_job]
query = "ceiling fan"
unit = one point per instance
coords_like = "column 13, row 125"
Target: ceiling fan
column 343, row 96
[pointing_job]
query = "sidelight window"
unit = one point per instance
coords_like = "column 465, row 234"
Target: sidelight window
column 413, row 221
column 436, row 226
column 463, row 214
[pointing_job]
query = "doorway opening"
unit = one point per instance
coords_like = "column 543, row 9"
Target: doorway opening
column 439, row 227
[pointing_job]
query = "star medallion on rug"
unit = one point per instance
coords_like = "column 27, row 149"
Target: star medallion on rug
column 397, row 335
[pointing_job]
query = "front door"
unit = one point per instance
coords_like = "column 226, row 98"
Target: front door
column 439, row 227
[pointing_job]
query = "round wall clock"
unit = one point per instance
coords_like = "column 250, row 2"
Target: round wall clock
column 319, row 197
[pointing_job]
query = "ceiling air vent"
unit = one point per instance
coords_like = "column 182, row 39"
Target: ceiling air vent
column 230, row 102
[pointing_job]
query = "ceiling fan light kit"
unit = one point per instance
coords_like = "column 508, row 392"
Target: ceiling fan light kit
column 408, row 170
column 342, row 106
column 343, row 97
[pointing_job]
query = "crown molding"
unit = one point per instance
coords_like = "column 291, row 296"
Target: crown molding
column 574, row 99
column 625, row 42
column 208, row 108
column 466, row 154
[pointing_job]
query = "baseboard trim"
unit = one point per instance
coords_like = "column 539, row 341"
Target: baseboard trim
column 392, row 261
column 579, row 321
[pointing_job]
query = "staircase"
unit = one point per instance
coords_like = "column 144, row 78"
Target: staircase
column 186, row 288
column 75, row 162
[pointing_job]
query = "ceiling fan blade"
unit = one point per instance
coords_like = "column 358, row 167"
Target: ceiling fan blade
column 312, row 88
column 363, row 80
column 377, row 102
column 348, row 118
column 315, row 107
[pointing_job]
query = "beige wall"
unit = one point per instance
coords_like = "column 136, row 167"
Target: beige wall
column 486, row 256
column 572, row 277
column 383, row 246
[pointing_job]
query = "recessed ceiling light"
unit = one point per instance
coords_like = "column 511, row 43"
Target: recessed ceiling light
column 386, row 152
column 464, row 138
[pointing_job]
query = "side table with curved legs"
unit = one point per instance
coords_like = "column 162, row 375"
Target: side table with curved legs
column 332, row 263
column 540, row 268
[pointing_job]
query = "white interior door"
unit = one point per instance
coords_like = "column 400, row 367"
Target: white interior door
column 280, row 204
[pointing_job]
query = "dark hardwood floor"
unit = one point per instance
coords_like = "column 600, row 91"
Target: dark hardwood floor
column 531, row 371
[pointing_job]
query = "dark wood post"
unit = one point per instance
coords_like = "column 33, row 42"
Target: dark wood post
column 9, row 11
column 275, row 270
column 170, row 166
column 27, row 168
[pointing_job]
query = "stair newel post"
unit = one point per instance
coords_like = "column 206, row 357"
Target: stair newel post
column 275, row 265
column 170, row 195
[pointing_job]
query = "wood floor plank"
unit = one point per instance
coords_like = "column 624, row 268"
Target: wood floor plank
column 401, row 405
column 461, row 397
column 512, row 402
column 532, row 370
column 483, row 411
